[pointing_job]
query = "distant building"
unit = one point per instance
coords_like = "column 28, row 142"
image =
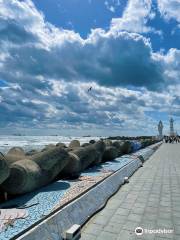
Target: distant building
column 160, row 129
column 172, row 132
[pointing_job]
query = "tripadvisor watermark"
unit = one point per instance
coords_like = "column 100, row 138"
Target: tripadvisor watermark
column 140, row 231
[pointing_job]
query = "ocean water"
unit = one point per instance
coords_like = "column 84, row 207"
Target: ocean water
column 36, row 142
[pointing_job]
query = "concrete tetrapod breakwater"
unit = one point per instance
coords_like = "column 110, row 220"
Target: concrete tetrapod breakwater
column 4, row 169
column 23, row 172
column 56, row 220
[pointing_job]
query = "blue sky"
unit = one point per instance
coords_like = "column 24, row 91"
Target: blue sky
column 81, row 16
column 52, row 51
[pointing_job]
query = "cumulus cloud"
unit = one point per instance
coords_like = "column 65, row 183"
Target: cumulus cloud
column 169, row 9
column 170, row 63
column 54, row 53
column 48, row 71
column 73, row 106
column 134, row 18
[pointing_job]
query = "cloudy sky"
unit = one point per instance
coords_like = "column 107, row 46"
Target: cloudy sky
column 53, row 51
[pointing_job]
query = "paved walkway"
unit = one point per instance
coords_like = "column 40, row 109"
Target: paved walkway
column 151, row 200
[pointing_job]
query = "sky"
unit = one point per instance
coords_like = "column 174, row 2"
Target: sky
column 53, row 51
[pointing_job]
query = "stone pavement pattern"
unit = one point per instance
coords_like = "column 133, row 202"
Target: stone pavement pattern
column 151, row 200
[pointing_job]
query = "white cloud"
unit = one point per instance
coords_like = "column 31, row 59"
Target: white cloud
column 169, row 9
column 134, row 18
column 53, row 68
column 25, row 14
column 54, row 53
column 170, row 63
column 110, row 7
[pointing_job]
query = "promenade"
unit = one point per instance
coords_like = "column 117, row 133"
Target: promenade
column 151, row 201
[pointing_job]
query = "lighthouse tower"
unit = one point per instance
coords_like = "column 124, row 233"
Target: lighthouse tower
column 172, row 127
column 160, row 129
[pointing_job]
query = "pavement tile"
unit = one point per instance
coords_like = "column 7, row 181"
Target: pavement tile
column 164, row 209
column 118, row 218
column 134, row 217
column 87, row 237
column 165, row 223
column 130, row 225
column 149, row 217
column 160, row 238
column 126, row 235
column 107, row 236
column 165, row 215
column 147, row 237
column 127, row 205
column 165, row 236
column 138, row 210
column 139, row 205
column 113, row 205
column 151, row 200
column 113, row 227
column 175, row 214
column 148, row 224
column 176, row 237
column 154, row 204
column 151, row 210
column 176, row 220
column 101, row 220
column 107, row 212
column 123, row 211
column 94, row 229
column 177, row 230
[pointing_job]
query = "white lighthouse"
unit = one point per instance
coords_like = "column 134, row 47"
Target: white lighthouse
column 172, row 133
column 160, row 129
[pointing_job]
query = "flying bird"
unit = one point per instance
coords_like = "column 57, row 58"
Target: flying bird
column 89, row 89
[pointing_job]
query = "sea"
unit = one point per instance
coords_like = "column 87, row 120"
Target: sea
column 37, row 142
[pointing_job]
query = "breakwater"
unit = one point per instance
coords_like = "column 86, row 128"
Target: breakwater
column 23, row 172
column 55, row 191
